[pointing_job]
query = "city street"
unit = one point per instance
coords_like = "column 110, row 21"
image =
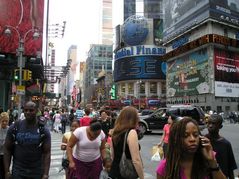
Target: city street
column 229, row 131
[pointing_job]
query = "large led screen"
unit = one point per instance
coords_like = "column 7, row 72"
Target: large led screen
column 20, row 17
column 182, row 14
column 139, row 67
column 226, row 73
column 188, row 75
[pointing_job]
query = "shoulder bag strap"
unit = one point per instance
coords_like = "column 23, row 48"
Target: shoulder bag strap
column 125, row 140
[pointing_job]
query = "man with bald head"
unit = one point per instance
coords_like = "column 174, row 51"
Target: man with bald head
column 28, row 142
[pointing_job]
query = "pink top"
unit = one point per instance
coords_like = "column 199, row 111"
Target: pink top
column 166, row 130
column 161, row 169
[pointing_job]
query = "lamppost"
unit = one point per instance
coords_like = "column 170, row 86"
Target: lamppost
column 139, row 83
column 20, row 50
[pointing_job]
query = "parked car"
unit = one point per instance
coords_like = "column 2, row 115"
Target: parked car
column 158, row 119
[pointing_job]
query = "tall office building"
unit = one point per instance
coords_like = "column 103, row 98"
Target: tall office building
column 129, row 8
column 99, row 57
column 153, row 9
column 105, row 27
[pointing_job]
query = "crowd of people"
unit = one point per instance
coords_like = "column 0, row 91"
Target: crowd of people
column 94, row 146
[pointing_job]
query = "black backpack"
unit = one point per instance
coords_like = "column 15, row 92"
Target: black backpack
column 41, row 130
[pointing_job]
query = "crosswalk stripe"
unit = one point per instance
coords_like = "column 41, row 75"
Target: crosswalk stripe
column 56, row 157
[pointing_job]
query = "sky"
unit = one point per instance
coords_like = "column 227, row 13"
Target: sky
column 82, row 22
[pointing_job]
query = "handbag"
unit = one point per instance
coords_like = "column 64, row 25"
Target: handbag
column 64, row 162
column 126, row 166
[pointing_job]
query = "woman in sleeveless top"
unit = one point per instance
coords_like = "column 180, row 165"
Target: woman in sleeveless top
column 127, row 121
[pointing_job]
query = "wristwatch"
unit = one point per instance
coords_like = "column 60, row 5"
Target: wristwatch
column 214, row 169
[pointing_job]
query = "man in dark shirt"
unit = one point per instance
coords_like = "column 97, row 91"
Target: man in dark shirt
column 221, row 146
column 29, row 144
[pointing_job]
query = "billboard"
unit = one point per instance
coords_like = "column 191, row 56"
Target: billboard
column 139, row 67
column 180, row 15
column 225, row 10
column 226, row 73
column 188, row 75
column 21, row 17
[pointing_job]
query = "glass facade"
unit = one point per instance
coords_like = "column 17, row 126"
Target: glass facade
column 99, row 57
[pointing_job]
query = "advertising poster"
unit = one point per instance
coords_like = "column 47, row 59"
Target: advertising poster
column 225, row 10
column 188, row 75
column 139, row 67
column 20, row 17
column 158, row 31
column 181, row 14
column 129, row 8
column 226, row 73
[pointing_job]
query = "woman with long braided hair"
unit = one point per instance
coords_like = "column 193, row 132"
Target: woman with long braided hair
column 189, row 156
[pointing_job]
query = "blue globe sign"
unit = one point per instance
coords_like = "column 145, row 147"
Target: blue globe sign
column 135, row 30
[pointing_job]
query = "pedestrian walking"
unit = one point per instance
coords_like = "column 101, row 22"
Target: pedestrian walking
column 28, row 142
column 87, row 157
column 222, row 147
column 126, row 124
column 63, row 121
column 4, row 120
column 165, row 136
column 71, row 116
column 85, row 120
column 57, row 121
column 189, row 154
column 65, row 139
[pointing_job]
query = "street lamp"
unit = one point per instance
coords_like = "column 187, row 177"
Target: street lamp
column 139, row 83
column 20, row 51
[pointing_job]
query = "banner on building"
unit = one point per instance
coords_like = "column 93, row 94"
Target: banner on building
column 21, row 18
column 226, row 73
column 188, row 75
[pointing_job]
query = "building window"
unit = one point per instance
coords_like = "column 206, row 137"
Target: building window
column 123, row 87
column 131, row 88
column 153, row 87
column 142, row 88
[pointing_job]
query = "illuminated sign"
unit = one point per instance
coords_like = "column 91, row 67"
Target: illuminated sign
column 210, row 38
column 139, row 50
column 180, row 42
column 139, row 67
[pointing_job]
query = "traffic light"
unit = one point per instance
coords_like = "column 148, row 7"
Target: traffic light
column 26, row 75
column 113, row 92
column 29, row 75
column 16, row 74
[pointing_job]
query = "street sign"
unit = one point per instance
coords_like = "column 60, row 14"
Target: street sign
column 21, row 90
